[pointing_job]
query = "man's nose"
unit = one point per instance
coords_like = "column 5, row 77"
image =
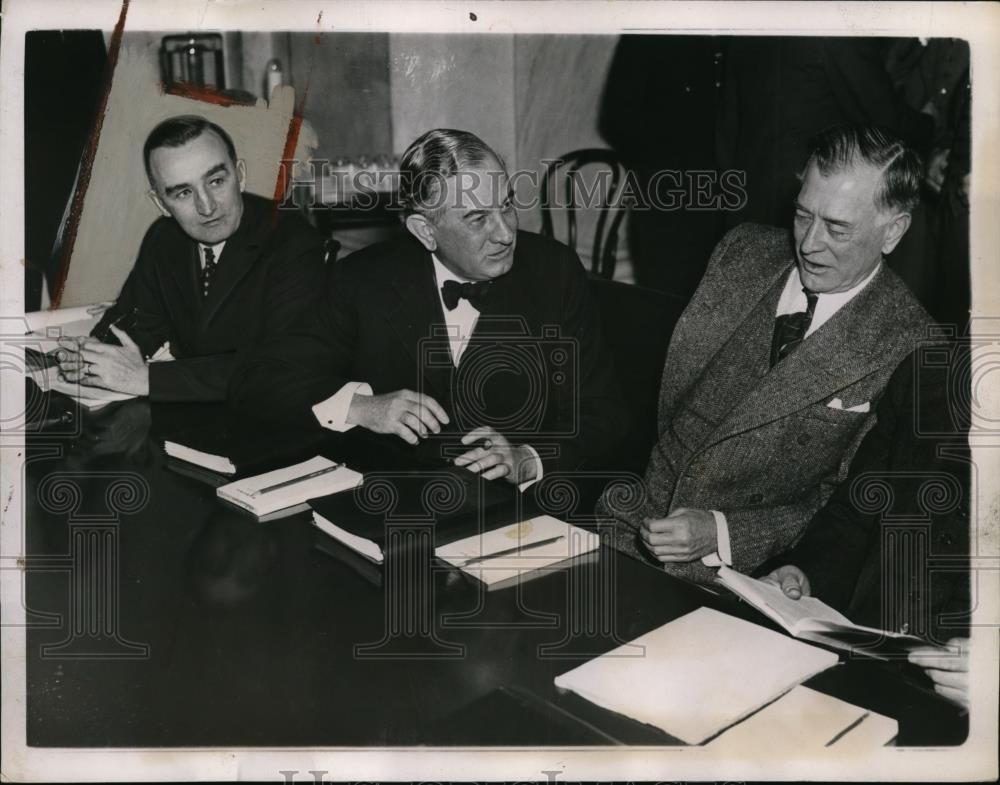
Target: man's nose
column 204, row 202
column 812, row 240
column 504, row 227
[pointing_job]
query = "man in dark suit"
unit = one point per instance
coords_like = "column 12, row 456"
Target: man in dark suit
column 775, row 366
column 217, row 273
column 890, row 548
column 465, row 327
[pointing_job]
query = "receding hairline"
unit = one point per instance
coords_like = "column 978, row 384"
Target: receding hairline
column 230, row 156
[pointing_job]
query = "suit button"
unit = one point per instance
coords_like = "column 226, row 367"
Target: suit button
column 756, row 498
column 803, row 439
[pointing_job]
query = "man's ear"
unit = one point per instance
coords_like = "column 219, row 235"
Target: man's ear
column 241, row 173
column 894, row 231
column 423, row 230
column 155, row 199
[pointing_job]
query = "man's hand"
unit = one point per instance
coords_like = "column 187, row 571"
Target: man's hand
column 791, row 580
column 684, row 535
column 949, row 670
column 118, row 368
column 496, row 457
column 409, row 415
column 936, row 167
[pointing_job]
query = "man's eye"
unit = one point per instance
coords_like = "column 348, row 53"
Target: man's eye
column 216, row 181
column 182, row 194
column 801, row 216
column 477, row 220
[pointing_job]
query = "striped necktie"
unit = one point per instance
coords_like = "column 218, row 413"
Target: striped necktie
column 208, row 271
column 791, row 328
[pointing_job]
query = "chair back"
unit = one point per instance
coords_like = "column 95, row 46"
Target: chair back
column 636, row 324
column 565, row 171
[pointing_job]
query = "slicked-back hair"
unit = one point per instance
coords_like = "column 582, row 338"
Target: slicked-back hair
column 842, row 147
column 432, row 158
column 178, row 131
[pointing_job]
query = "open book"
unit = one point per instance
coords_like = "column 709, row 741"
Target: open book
column 812, row 619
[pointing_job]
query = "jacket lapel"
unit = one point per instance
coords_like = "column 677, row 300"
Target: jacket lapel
column 184, row 274
column 416, row 318
column 718, row 314
column 242, row 251
column 845, row 349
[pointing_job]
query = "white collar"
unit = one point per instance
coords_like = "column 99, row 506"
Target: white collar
column 793, row 299
column 442, row 273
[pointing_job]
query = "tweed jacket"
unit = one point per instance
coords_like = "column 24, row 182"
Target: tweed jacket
column 777, row 453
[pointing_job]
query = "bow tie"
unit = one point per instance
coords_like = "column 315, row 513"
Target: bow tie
column 475, row 293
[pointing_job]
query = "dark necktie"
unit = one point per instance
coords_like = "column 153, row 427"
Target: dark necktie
column 791, row 328
column 475, row 293
column 208, row 271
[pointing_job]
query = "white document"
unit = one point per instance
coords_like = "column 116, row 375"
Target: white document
column 276, row 490
column 699, row 674
column 803, row 722
column 72, row 321
column 535, row 544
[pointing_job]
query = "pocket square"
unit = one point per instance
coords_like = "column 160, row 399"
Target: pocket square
column 861, row 408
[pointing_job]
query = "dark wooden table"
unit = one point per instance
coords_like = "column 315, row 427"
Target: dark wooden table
column 158, row 617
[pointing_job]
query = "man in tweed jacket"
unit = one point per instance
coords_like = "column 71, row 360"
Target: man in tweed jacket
column 757, row 425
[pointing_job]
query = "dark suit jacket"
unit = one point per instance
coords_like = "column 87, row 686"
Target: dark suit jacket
column 779, row 449
column 890, row 548
column 535, row 368
column 270, row 270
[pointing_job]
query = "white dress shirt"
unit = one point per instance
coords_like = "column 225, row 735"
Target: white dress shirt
column 216, row 249
column 793, row 300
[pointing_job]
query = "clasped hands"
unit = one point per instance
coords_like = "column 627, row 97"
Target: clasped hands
column 413, row 416
column 92, row 363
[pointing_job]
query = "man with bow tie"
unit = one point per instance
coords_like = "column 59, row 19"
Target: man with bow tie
column 464, row 329
column 775, row 366
column 219, row 271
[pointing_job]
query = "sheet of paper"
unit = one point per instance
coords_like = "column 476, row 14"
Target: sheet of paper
column 71, row 321
column 802, row 722
column 697, row 674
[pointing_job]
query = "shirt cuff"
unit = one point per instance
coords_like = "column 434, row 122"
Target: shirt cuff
column 538, row 469
column 723, row 553
column 332, row 413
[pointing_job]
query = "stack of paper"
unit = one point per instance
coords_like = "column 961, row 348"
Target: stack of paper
column 698, row 674
column 804, row 721
column 502, row 555
column 289, row 488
